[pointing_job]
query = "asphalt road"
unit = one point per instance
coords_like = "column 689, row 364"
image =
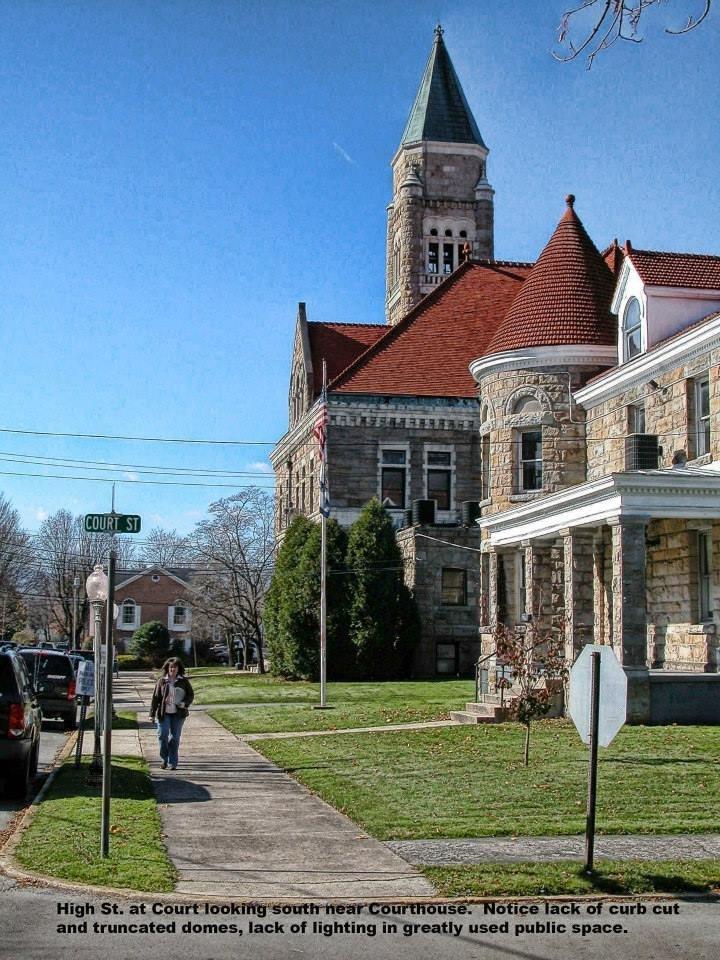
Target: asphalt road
column 655, row 930
column 52, row 739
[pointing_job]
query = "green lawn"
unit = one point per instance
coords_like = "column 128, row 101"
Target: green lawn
column 237, row 688
column 629, row 877
column 298, row 717
column 63, row 839
column 470, row 782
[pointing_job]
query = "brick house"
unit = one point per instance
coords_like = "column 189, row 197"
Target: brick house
column 153, row 593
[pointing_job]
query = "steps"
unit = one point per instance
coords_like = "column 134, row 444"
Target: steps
column 481, row 713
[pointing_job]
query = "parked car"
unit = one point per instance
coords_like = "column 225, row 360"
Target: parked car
column 20, row 722
column 53, row 678
column 85, row 654
column 76, row 660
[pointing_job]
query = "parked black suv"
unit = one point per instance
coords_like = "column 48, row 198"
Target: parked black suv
column 53, row 678
column 20, row 721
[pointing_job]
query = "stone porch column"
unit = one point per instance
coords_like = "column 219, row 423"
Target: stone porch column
column 579, row 594
column 538, row 581
column 629, row 611
column 491, row 586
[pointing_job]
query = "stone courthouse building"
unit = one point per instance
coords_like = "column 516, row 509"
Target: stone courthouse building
column 542, row 434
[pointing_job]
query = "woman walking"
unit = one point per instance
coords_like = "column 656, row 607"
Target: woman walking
column 171, row 698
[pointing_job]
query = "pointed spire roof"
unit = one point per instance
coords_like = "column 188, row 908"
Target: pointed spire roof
column 440, row 111
column 566, row 299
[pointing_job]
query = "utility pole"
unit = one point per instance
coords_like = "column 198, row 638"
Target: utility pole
column 76, row 587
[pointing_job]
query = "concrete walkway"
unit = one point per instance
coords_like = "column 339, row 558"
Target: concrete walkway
column 237, row 826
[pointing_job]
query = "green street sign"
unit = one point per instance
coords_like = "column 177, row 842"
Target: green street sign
column 112, row 523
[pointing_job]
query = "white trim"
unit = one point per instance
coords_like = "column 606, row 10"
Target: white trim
column 669, row 493
column 149, row 570
column 560, row 356
column 640, row 369
column 442, row 515
column 389, row 445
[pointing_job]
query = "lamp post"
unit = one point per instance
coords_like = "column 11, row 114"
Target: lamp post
column 96, row 586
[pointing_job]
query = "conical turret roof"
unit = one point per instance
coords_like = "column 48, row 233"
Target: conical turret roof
column 566, row 298
column 440, row 111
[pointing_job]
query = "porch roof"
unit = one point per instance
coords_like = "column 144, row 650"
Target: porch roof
column 668, row 492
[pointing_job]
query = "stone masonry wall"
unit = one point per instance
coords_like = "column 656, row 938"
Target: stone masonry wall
column 424, row 562
column 668, row 413
column 563, row 446
column 447, row 191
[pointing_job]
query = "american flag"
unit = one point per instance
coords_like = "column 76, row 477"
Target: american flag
column 320, row 433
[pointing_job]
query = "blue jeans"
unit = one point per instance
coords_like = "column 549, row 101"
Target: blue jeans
column 168, row 731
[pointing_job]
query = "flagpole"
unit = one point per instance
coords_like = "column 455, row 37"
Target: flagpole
column 323, row 570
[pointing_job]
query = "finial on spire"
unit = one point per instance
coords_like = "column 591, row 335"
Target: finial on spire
column 439, row 32
column 570, row 200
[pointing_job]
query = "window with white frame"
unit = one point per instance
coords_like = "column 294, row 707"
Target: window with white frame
column 129, row 613
column 632, row 329
column 393, row 477
column 529, row 460
column 432, row 258
column 180, row 614
column 704, row 556
column 702, row 415
column 438, row 478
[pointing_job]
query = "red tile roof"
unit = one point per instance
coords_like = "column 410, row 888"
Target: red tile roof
column 566, row 298
column 428, row 352
column 657, row 268
column 339, row 344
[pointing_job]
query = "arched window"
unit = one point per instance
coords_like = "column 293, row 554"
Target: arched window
column 632, row 329
column 448, row 233
column 129, row 613
column 433, row 232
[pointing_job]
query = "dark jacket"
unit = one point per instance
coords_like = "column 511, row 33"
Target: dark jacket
column 159, row 697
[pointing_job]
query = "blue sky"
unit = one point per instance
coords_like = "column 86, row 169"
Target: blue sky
column 177, row 175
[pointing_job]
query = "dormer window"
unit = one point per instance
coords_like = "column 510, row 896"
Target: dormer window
column 632, row 329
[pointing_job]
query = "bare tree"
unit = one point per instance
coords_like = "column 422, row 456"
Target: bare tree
column 600, row 24
column 14, row 547
column 64, row 551
column 233, row 553
column 15, row 569
column 166, row 548
column 537, row 662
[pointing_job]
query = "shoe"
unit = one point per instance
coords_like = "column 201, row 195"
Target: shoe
column 173, row 766
column 163, row 765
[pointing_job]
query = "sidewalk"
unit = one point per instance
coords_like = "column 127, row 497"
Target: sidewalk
column 237, row 826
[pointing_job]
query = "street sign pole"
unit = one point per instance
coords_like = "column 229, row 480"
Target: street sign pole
column 107, row 740
column 593, row 763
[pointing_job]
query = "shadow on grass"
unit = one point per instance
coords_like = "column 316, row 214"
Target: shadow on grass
column 656, row 882
column 128, row 782
column 655, row 761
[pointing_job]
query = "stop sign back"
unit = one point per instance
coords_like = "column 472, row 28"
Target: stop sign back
column 613, row 694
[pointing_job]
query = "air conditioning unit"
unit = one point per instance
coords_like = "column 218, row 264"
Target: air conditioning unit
column 423, row 511
column 470, row 512
column 642, row 451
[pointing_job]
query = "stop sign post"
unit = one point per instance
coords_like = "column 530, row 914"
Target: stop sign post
column 598, row 706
